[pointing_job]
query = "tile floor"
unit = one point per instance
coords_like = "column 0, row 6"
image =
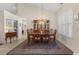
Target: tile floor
column 4, row 49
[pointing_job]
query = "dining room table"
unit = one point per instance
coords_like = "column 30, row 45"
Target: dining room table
column 40, row 34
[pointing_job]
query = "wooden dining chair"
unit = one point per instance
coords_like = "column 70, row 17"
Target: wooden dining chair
column 45, row 37
column 53, row 35
column 37, row 38
column 29, row 36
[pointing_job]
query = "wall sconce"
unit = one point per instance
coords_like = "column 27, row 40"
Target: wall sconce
column 76, row 17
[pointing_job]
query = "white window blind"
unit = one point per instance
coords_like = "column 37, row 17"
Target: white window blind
column 65, row 23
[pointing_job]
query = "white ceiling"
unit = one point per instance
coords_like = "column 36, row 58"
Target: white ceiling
column 47, row 6
column 11, row 7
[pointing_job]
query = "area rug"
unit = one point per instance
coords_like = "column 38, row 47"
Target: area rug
column 52, row 48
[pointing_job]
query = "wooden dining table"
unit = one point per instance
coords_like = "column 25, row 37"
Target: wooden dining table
column 40, row 33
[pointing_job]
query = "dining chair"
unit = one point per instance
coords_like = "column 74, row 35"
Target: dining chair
column 45, row 37
column 29, row 36
column 53, row 35
column 37, row 37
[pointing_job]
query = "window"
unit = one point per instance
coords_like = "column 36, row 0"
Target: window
column 65, row 23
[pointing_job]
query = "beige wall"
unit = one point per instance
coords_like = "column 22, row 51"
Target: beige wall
column 12, row 17
column 2, row 36
column 4, row 16
column 73, row 42
column 31, row 12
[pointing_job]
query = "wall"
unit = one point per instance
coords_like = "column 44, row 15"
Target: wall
column 2, row 27
column 13, row 17
column 4, row 16
column 31, row 12
column 24, row 26
column 73, row 42
column 20, row 28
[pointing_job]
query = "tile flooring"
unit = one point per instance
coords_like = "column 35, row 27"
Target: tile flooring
column 4, row 49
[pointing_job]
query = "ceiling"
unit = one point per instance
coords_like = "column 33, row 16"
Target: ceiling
column 47, row 6
column 11, row 7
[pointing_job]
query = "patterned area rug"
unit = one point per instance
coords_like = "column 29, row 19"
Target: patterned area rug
column 52, row 48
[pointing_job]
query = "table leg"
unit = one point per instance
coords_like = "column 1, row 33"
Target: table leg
column 10, row 40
